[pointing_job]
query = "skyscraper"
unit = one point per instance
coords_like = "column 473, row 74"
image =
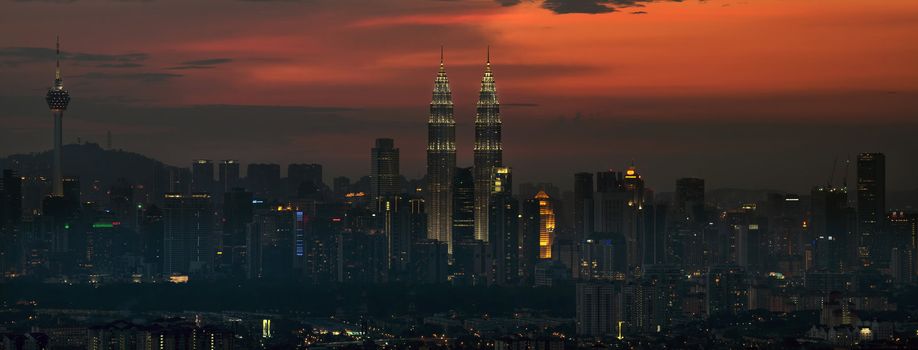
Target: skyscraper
column 58, row 99
column 202, row 176
column 488, row 149
column 504, row 229
column 546, row 224
column 237, row 215
column 11, row 197
column 828, row 225
column 599, row 308
column 583, row 205
column 441, row 160
column 229, row 174
column 871, row 202
column 304, row 178
column 464, row 205
column 688, row 201
column 619, row 208
column 385, row 179
column 264, row 180
column 188, row 223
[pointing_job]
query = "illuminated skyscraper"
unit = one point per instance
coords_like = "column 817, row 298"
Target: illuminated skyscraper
column 58, row 99
column 441, row 160
column 488, row 149
column 546, row 225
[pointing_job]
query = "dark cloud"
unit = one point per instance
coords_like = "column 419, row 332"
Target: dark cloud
column 586, row 6
column 51, row 1
column 208, row 62
column 508, row 2
column 70, row 1
column 145, row 77
column 202, row 64
column 577, row 6
column 120, row 65
column 639, row 13
column 20, row 55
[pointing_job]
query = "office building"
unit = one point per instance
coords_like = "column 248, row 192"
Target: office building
column 488, row 148
column 202, row 176
column 441, row 160
column 188, row 223
column 463, row 205
column 385, row 179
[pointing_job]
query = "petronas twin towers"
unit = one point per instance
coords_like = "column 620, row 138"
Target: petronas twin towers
column 441, row 155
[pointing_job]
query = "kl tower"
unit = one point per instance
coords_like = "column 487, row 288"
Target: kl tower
column 58, row 99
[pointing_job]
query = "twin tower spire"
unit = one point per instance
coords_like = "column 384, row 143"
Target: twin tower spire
column 441, row 155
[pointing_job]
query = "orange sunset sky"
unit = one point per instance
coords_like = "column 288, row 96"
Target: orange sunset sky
column 744, row 93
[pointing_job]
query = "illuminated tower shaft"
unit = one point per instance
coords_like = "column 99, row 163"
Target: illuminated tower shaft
column 441, row 160
column 488, row 149
column 58, row 99
column 58, row 179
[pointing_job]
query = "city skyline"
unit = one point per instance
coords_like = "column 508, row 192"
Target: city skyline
column 665, row 188
column 671, row 122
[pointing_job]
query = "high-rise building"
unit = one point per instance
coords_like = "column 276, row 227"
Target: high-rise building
column 530, row 227
column 685, row 224
column 58, row 99
column 828, row 227
column 10, row 218
column 583, row 205
column 546, row 224
column 429, row 261
column 341, row 185
column 270, row 244
column 871, row 205
column 599, row 309
column 385, row 179
column 202, row 176
column 619, row 209
column 463, row 205
column 488, row 148
column 237, row 215
column 727, row 290
column 188, row 223
column 304, row 178
column 504, row 229
column 388, row 208
column 229, row 174
column 471, row 262
column 72, row 191
column 10, row 199
column 688, row 201
column 441, row 160
column 264, row 180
